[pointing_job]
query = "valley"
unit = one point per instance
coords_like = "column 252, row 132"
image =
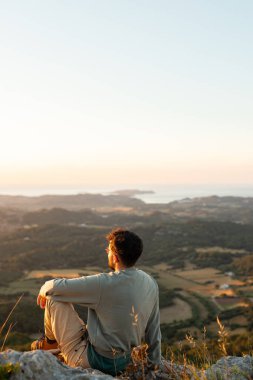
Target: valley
column 203, row 263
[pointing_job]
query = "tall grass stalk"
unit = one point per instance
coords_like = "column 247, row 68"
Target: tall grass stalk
column 7, row 319
column 6, row 370
column 6, row 336
column 223, row 338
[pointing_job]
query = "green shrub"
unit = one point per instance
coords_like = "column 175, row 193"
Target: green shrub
column 6, row 370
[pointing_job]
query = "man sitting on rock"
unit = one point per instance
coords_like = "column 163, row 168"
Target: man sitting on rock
column 123, row 311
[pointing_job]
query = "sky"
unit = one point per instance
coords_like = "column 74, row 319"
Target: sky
column 125, row 93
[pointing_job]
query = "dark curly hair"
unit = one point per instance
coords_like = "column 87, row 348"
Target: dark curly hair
column 126, row 244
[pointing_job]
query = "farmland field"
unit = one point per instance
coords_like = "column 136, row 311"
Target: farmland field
column 67, row 273
column 187, row 282
column 33, row 280
column 193, row 291
column 181, row 310
column 204, row 275
column 229, row 302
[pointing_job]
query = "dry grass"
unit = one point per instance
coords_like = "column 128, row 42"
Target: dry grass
column 223, row 338
column 179, row 365
column 6, row 321
column 8, row 369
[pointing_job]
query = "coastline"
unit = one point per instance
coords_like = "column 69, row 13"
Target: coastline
column 159, row 194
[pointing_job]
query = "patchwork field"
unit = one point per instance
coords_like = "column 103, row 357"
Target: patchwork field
column 206, row 281
column 33, row 280
column 181, row 310
column 192, row 288
column 230, row 302
column 168, row 278
column 67, row 273
column 23, row 285
column 209, row 275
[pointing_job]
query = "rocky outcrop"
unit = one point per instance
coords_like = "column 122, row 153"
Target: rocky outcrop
column 231, row 368
column 44, row 366
column 34, row 365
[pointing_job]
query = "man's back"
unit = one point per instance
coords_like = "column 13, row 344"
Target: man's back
column 123, row 309
column 127, row 300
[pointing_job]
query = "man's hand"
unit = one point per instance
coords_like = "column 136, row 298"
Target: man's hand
column 41, row 301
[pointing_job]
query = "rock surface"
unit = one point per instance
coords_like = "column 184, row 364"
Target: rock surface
column 231, row 368
column 44, row 366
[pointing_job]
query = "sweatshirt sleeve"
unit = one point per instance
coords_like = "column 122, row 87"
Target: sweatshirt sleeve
column 84, row 290
column 153, row 335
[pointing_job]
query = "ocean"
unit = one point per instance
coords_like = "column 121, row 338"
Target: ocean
column 166, row 194
column 161, row 193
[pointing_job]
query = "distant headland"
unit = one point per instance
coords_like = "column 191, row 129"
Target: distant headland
column 131, row 192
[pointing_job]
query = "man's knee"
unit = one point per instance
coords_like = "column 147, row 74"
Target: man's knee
column 64, row 307
column 51, row 304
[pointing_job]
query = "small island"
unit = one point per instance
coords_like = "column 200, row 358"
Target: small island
column 132, row 192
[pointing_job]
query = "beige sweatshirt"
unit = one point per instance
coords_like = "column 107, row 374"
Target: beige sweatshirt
column 123, row 309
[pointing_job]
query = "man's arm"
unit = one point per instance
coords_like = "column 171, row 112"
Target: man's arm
column 84, row 290
column 153, row 335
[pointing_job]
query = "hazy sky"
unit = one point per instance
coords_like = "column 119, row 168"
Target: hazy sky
column 98, row 92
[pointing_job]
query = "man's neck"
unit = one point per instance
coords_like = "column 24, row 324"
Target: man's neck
column 119, row 267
